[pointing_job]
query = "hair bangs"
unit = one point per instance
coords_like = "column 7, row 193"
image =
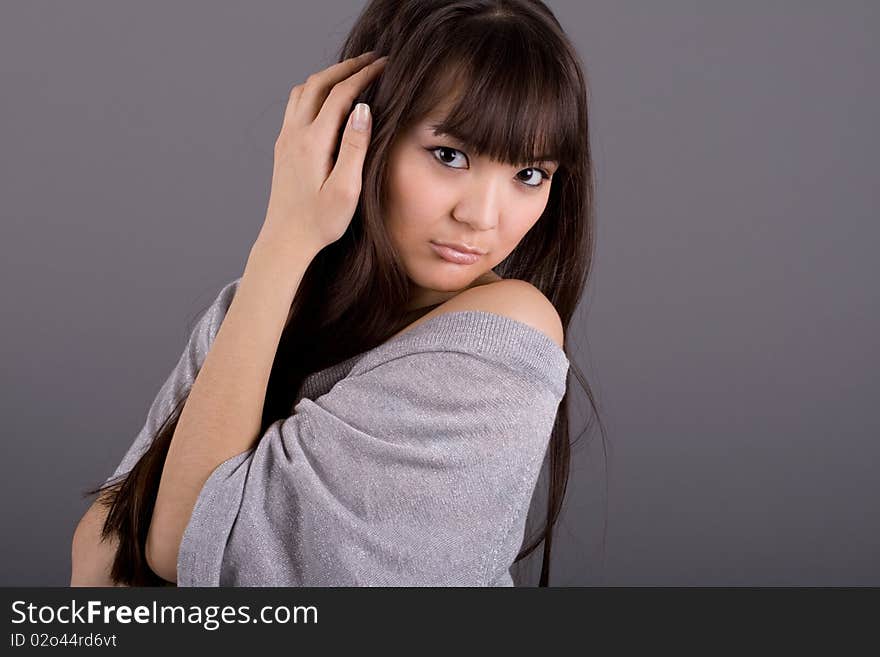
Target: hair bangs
column 502, row 97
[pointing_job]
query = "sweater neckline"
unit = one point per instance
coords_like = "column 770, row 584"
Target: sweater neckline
column 470, row 331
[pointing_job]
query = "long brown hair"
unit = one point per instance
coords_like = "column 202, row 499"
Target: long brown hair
column 520, row 95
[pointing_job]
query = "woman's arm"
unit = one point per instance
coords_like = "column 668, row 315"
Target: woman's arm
column 91, row 558
column 311, row 205
column 222, row 415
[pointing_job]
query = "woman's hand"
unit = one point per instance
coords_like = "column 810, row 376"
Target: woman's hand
column 312, row 202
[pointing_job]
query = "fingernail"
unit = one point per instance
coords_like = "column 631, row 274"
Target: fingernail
column 361, row 118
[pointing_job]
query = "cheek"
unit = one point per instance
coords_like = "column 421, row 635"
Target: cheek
column 518, row 225
column 418, row 198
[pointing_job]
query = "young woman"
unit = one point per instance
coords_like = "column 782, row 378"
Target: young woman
column 371, row 402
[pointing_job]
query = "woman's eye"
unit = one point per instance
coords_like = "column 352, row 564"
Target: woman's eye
column 541, row 177
column 439, row 151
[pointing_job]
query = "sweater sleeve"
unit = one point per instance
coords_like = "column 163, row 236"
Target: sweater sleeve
column 410, row 471
column 181, row 378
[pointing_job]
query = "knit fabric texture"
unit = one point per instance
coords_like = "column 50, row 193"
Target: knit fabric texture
column 410, row 464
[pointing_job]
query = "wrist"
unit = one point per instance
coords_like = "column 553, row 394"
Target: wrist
column 284, row 258
column 276, row 269
column 280, row 241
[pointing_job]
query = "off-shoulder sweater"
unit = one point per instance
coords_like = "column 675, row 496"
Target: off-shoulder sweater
column 410, row 464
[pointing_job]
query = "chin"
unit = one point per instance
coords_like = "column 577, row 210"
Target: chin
column 442, row 279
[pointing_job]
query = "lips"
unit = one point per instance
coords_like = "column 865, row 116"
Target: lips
column 453, row 255
column 460, row 246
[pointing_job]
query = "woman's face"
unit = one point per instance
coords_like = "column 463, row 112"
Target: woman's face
column 439, row 192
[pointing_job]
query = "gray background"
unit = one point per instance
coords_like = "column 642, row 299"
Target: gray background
column 727, row 330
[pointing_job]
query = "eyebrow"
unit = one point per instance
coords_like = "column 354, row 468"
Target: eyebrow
column 541, row 159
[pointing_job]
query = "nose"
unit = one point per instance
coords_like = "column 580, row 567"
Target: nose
column 480, row 203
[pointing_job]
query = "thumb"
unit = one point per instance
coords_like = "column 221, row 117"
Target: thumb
column 352, row 150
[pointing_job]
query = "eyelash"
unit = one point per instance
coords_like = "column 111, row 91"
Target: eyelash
column 544, row 174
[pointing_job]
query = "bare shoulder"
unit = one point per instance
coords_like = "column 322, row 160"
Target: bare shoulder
column 512, row 298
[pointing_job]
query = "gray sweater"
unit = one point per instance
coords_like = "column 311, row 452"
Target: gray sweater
column 410, row 464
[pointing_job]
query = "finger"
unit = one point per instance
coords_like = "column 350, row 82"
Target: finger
column 297, row 91
column 295, row 94
column 318, row 85
column 345, row 179
column 341, row 97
